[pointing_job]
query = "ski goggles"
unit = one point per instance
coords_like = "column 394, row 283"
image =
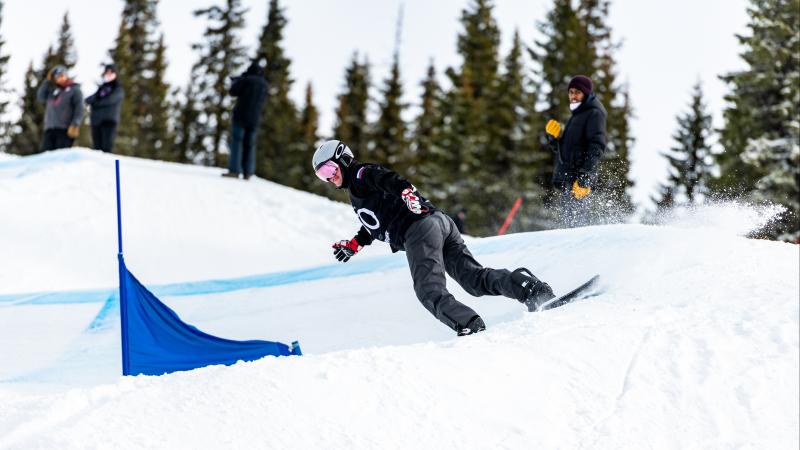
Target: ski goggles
column 327, row 170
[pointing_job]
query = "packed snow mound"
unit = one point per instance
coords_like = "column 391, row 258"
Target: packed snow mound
column 180, row 222
column 691, row 342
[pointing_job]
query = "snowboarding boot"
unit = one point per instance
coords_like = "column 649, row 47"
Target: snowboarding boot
column 475, row 325
column 534, row 291
column 230, row 175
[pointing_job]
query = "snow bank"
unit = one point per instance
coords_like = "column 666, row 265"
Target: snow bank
column 180, row 223
column 693, row 342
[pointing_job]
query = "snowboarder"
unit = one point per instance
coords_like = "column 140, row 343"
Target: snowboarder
column 105, row 106
column 63, row 109
column 391, row 210
column 578, row 150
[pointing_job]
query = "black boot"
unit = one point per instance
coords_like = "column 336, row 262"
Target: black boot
column 534, row 292
column 475, row 325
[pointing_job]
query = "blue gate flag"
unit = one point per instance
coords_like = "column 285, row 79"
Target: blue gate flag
column 155, row 341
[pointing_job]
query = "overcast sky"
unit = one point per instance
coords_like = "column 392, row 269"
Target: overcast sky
column 667, row 47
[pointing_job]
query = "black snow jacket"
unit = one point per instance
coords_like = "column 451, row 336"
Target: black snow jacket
column 106, row 103
column 579, row 149
column 250, row 91
column 375, row 195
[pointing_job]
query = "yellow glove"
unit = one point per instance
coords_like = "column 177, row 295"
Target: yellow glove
column 580, row 192
column 553, row 128
column 73, row 131
column 50, row 75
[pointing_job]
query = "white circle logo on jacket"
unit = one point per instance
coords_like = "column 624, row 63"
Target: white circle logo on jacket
column 369, row 215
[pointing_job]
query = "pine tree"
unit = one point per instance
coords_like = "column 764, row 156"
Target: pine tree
column 468, row 107
column 65, row 53
column 515, row 125
column 761, row 133
column 351, row 124
column 186, row 115
column 139, row 56
column 220, row 57
column 690, row 158
column 390, row 132
column 26, row 133
column 427, row 155
column 4, row 125
column 309, row 138
column 279, row 129
column 158, row 135
column 309, row 120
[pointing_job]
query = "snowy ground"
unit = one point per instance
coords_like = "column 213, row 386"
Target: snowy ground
column 692, row 344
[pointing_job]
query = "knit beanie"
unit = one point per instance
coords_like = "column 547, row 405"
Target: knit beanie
column 581, row 83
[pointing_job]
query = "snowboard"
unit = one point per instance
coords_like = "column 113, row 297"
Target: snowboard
column 578, row 292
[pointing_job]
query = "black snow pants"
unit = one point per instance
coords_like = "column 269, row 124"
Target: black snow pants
column 434, row 246
column 103, row 136
column 55, row 138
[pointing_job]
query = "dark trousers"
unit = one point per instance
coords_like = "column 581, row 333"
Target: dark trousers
column 573, row 212
column 103, row 136
column 243, row 154
column 56, row 138
column 434, row 246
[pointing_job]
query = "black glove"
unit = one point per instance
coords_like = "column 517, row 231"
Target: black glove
column 552, row 143
column 344, row 250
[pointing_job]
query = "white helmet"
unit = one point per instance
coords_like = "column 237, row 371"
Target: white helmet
column 336, row 151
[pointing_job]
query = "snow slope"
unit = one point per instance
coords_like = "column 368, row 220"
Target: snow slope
column 693, row 342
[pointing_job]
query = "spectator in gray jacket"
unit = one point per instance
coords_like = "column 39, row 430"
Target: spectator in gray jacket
column 105, row 106
column 63, row 109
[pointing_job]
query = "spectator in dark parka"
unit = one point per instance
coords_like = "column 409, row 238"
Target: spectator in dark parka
column 578, row 148
column 459, row 218
column 250, row 90
column 105, row 106
column 63, row 109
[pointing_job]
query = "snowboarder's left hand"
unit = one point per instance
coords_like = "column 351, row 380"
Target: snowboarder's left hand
column 344, row 250
column 580, row 192
column 410, row 197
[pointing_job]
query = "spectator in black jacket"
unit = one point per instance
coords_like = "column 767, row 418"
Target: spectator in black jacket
column 578, row 151
column 250, row 91
column 63, row 112
column 391, row 210
column 105, row 106
column 459, row 218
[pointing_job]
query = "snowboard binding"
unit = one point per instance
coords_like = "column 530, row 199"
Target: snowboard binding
column 534, row 291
